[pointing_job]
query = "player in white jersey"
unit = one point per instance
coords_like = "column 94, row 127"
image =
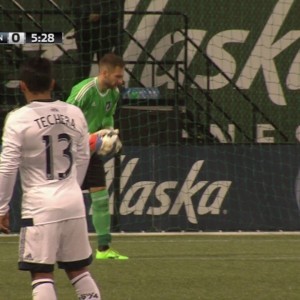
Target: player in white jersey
column 47, row 141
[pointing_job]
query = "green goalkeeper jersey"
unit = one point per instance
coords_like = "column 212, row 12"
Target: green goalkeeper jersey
column 98, row 108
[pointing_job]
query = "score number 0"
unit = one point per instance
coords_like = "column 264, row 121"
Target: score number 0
column 16, row 38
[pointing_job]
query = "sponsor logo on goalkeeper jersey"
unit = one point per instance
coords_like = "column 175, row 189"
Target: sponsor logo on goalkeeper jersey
column 195, row 198
column 108, row 106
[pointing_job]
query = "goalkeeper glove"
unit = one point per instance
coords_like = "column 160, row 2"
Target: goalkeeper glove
column 111, row 145
column 106, row 131
column 105, row 142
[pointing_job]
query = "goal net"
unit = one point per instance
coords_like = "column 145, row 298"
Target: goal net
column 209, row 111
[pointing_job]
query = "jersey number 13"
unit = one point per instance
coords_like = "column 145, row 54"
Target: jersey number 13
column 66, row 152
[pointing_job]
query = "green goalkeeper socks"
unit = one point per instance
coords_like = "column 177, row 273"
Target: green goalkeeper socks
column 101, row 216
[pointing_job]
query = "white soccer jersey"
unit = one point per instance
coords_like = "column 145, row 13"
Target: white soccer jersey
column 48, row 142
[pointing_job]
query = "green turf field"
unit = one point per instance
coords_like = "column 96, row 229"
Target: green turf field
column 178, row 267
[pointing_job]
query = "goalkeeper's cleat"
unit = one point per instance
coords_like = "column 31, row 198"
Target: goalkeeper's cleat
column 110, row 254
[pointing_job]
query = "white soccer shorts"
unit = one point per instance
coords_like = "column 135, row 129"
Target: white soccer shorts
column 64, row 242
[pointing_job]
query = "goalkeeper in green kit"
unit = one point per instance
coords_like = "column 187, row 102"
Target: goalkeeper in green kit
column 97, row 98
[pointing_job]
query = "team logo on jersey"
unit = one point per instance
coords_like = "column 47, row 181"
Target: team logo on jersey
column 108, row 106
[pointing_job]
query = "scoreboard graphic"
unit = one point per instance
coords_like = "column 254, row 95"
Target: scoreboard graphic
column 19, row 38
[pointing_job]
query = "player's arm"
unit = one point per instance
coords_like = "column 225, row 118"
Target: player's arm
column 77, row 98
column 83, row 150
column 9, row 164
column 72, row 98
